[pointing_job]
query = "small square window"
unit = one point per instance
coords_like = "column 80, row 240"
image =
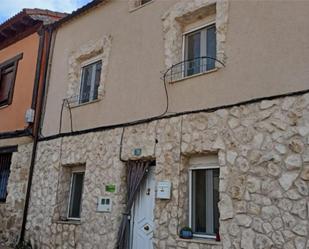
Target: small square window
column 204, row 202
column 5, row 163
column 76, row 190
column 90, row 82
column 200, row 50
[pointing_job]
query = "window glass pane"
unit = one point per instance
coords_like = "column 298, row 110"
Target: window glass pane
column 97, row 79
column 209, row 202
column 205, row 198
column 211, row 45
column 6, row 81
column 5, row 162
column 199, row 214
column 193, row 52
column 91, row 76
column 216, row 199
column 86, row 84
column 76, row 195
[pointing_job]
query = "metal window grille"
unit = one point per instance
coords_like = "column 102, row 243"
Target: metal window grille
column 5, row 163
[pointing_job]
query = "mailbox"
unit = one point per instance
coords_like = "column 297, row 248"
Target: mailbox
column 164, row 190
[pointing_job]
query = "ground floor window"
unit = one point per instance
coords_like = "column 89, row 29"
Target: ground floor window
column 204, row 198
column 76, row 190
column 5, row 163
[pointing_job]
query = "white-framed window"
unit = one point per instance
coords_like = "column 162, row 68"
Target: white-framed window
column 204, row 197
column 200, row 50
column 90, row 80
column 75, row 197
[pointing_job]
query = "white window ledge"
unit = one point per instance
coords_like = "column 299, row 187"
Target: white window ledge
column 200, row 241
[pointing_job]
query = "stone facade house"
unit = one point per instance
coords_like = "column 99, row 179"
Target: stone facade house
column 161, row 115
column 23, row 51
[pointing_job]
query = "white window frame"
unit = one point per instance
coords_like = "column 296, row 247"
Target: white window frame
column 70, row 195
column 196, row 166
column 184, row 46
column 85, row 64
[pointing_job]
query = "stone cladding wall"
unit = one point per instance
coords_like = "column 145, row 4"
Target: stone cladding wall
column 11, row 212
column 263, row 152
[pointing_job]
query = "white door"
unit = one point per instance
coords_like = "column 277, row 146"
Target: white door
column 142, row 224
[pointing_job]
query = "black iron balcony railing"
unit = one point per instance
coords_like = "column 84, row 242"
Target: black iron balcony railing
column 191, row 67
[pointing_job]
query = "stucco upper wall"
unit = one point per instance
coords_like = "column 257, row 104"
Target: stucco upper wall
column 266, row 53
column 12, row 117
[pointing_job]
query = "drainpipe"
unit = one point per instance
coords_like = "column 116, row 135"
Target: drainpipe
column 46, row 31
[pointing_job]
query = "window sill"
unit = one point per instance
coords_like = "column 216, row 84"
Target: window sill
column 4, row 106
column 194, row 75
column 87, row 103
column 200, row 241
column 68, row 222
column 140, row 6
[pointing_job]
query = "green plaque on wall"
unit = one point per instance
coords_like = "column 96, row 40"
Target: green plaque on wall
column 110, row 188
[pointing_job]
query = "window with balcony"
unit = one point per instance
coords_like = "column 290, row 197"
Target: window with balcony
column 195, row 38
column 8, row 71
column 90, row 82
column 200, row 50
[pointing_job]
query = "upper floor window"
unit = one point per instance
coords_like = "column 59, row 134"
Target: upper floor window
column 5, row 163
column 204, row 198
column 8, row 71
column 91, row 76
column 200, row 50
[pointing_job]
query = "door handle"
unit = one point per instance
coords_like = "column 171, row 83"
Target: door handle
column 146, row 228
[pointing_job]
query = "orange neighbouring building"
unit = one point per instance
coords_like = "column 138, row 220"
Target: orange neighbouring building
column 24, row 47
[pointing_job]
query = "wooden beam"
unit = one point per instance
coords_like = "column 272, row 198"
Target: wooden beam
column 19, row 36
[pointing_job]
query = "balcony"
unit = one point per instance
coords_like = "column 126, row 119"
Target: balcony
column 191, row 67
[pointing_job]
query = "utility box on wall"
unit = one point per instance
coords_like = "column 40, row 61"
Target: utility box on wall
column 104, row 204
column 164, row 190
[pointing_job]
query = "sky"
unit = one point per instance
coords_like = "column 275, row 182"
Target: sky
column 9, row 8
